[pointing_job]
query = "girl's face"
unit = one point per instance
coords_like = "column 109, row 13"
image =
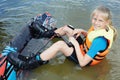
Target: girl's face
column 99, row 22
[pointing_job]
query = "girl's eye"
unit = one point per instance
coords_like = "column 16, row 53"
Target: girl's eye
column 101, row 20
column 94, row 18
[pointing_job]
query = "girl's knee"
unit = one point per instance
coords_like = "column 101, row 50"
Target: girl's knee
column 60, row 42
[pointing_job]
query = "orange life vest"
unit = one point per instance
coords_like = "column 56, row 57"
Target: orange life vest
column 87, row 43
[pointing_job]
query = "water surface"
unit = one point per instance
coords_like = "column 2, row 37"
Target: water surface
column 14, row 14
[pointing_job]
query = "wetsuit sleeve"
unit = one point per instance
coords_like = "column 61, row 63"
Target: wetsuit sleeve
column 98, row 44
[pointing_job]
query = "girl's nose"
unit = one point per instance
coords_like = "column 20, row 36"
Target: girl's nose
column 96, row 22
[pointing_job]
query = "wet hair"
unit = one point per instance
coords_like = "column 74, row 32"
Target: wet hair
column 106, row 14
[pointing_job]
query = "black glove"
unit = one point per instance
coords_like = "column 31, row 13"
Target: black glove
column 39, row 33
column 49, row 33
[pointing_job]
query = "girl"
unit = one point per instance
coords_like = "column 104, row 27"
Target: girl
column 98, row 41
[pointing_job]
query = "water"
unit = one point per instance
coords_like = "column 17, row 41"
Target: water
column 14, row 14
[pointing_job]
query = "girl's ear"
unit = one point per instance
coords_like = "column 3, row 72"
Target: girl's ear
column 109, row 22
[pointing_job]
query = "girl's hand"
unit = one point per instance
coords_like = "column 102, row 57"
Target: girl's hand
column 78, row 32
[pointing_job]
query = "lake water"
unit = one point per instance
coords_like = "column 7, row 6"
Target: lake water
column 14, row 14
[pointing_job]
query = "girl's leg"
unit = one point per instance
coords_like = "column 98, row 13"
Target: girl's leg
column 44, row 56
column 52, row 51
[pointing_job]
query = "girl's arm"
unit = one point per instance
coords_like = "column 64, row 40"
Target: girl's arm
column 97, row 45
column 78, row 32
column 83, row 60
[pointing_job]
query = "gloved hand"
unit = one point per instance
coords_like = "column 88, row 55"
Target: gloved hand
column 8, row 49
column 49, row 33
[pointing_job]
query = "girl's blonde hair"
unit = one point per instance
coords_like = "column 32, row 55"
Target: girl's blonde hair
column 105, row 12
